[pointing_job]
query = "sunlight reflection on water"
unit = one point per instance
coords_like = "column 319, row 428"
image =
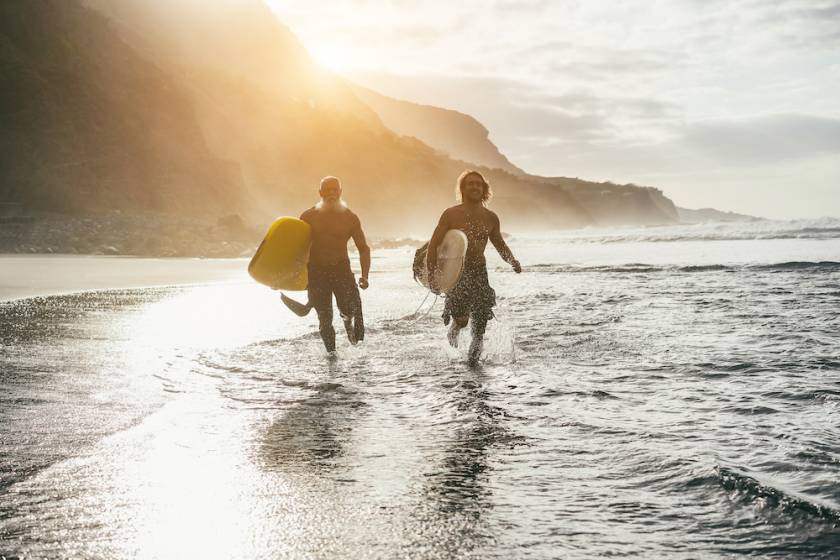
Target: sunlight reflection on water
column 661, row 412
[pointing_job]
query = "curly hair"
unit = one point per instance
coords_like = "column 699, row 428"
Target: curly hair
column 459, row 186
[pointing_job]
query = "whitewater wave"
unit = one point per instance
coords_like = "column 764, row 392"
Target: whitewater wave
column 823, row 228
column 641, row 268
column 751, row 490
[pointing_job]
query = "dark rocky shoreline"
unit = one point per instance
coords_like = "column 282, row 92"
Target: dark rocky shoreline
column 141, row 235
column 137, row 234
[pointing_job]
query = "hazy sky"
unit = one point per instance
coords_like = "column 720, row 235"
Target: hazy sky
column 733, row 104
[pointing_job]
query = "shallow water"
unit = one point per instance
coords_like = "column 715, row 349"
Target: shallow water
column 670, row 398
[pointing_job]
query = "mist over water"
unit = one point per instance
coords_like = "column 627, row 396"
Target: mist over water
column 651, row 392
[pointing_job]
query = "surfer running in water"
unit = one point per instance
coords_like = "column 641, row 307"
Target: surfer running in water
column 472, row 298
column 333, row 224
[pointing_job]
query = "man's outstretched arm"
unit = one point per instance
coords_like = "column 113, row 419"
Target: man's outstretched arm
column 499, row 243
column 364, row 254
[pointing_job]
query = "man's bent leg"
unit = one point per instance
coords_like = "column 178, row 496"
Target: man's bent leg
column 456, row 316
column 349, row 304
column 484, row 299
column 325, row 317
column 455, row 329
column 320, row 298
column 479, row 326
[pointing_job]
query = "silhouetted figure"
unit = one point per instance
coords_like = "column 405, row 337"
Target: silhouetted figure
column 472, row 298
column 333, row 224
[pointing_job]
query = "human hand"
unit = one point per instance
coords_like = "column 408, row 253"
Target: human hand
column 363, row 283
column 517, row 268
column 433, row 284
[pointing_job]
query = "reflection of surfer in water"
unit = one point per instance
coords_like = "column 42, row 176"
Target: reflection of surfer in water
column 333, row 224
column 472, row 297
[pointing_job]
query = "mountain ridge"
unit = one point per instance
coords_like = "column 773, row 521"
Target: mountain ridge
column 71, row 137
column 701, row 215
column 185, row 133
column 456, row 134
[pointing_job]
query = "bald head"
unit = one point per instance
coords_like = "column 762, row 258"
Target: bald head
column 330, row 191
column 330, row 181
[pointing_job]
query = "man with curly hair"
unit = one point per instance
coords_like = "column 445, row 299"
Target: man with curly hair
column 472, row 298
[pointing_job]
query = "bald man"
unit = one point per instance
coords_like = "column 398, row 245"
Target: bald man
column 333, row 225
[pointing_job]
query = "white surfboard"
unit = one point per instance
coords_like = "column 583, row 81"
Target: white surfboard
column 450, row 261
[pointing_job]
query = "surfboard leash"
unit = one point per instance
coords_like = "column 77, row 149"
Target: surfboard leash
column 422, row 303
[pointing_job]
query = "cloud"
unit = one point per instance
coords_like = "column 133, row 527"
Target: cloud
column 518, row 113
column 401, row 34
column 763, row 139
column 813, row 13
column 803, row 25
column 631, row 91
column 634, row 107
column 521, row 6
column 723, row 144
column 599, row 63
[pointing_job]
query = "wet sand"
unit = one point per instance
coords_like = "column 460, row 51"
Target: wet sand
column 23, row 276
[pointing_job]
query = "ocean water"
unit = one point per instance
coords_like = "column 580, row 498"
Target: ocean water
column 652, row 393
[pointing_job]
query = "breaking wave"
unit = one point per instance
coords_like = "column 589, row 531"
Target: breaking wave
column 641, row 268
column 823, row 228
column 751, row 490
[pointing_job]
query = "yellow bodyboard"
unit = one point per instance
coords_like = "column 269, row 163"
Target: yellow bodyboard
column 281, row 259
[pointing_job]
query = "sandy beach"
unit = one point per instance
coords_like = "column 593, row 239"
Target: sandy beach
column 23, row 276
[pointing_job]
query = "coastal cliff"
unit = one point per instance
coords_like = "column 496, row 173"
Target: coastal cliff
column 112, row 110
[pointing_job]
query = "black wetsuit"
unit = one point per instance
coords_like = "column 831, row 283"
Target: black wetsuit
column 330, row 274
column 335, row 279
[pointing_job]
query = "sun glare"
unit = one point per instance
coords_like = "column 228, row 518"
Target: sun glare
column 332, row 56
